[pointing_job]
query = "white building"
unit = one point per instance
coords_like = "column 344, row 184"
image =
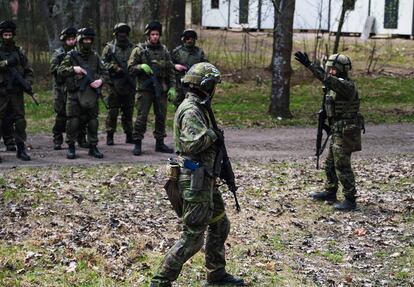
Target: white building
column 391, row 17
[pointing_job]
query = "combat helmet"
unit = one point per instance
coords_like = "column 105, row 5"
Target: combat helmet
column 121, row 28
column 189, row 33
column 203, row 76
column 340, row 62
column 154, row 25
column 7, row 26
column 68, row 32
column 85, row 33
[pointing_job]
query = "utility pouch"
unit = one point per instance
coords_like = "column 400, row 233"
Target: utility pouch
column 351, row 137
column 172, row 188
column 197, row 179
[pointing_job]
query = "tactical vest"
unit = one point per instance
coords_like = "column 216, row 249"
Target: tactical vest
column 91, row 60
column 187, row 57
column 341, row 110
column 6, row 83
column 159, row 54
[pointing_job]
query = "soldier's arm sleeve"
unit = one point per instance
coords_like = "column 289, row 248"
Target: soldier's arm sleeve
column 54, row 63
column 134, row 61
column 171, row 72
column 343, row 87
column 174, row 56
column 203, row 56
column 317, row 71
column 102, row 71
column 195, row 135
column 107, row 62
column 65, row 68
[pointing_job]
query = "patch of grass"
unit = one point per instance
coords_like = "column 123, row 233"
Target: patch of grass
column 334, row 256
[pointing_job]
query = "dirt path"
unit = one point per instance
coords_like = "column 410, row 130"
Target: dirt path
column 244, row 144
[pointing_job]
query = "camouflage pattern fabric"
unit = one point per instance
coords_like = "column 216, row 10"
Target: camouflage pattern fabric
column 187, row 56
column 121, row 95
column 12, row 97
column 8, row 129
column 158, row 58
column 59, row 101
column 81, row 107
column 342, row 106
column 203, row 208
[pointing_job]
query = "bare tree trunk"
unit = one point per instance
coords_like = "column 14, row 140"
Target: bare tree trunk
column 346, row 6
column 282, row 51
column 176, row 23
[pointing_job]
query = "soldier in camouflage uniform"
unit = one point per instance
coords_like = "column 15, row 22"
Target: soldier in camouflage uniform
column 68, row 38
column 184, row 57
column 203, row 206
column 151, row 63
column 80, row 64
column 345, row 122
column 122, row 87
column 12, row 58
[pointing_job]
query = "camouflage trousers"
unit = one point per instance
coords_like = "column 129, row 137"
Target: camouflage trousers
column 125, row 104
column 338, row 168
column 198, row 218
column 77, row 118
column 59, row 105
column 12, row 107
column 144, row 101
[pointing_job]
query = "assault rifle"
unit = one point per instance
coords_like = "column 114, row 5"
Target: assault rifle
column 127, row 77
column 322, row 126
column 153, row 80
column 17, row 78
column 87, row 79
column 222, row 161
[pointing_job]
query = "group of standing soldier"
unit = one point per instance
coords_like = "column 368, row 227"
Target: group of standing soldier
column 143, row 75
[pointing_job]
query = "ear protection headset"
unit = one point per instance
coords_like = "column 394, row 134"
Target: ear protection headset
column 208, row 83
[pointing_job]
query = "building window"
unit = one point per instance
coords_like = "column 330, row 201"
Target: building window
column 215, row 4
column 244, row 11
column 391, row 14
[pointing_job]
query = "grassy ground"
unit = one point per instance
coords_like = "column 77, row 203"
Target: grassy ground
column 111, row 225
column 384, row 100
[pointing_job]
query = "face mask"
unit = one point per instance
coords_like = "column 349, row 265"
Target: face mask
column 8, row 41
column 122, row 37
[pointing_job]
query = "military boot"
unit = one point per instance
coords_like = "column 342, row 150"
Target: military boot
column 22, row 152
column 348, row 204
column 94, row 151
column 324, row 196
column 10, row 147
column 110, row 138
column 161, row 147
column 57, row 146
column 71, row 153
column 137, row 148
column 128, row 138
column 227, row 279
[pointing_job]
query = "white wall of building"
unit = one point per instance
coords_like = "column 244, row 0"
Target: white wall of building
column 311, row 15
column 215, row 17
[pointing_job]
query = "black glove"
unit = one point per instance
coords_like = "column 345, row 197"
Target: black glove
column 302, row 58
column 220, row 136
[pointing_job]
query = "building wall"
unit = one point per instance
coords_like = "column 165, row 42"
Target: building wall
column 354, row 20
column 405, row 17
column 215, row 17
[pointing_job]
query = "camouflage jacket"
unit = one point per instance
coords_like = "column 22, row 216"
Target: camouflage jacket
column 158, row 58
column 22, row 67
column 188, row 56
column 55, row 61
column 91, row 60
column 193, row 136
column 341, row 97
column 122, row 54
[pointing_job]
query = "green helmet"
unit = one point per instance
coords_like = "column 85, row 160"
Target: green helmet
column 340, row 62
column 203, row 76
column 8, row 26
column 122, row 28
column 68, row 32
column 85, row 33
column 153, row 26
